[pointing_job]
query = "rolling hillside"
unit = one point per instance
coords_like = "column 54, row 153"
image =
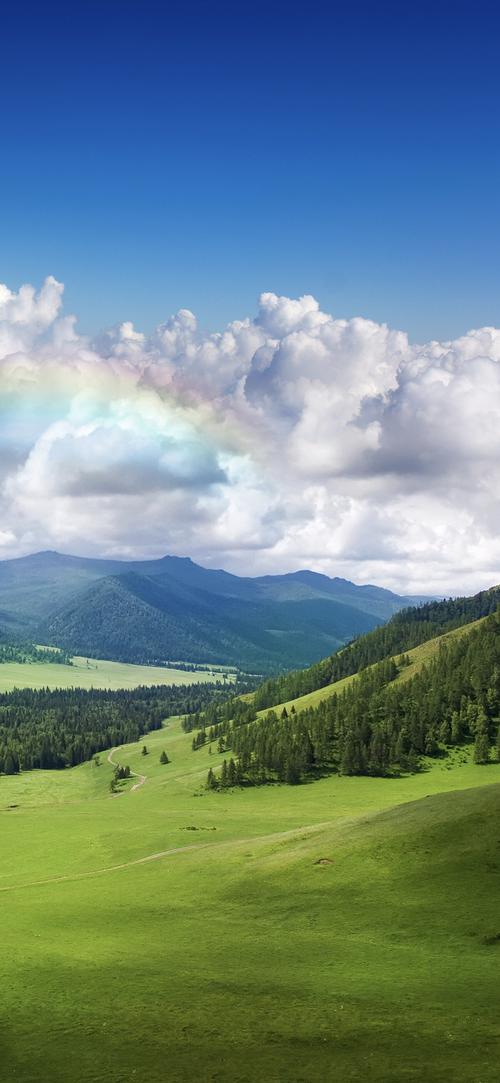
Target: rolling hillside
column 416, row 658
column 276, row 929
column 172, row 609
column 275, row 925
column 379, row 713
column 404, row 631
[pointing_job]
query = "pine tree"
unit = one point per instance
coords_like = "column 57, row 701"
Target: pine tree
column 351, row 762
column 11, row 764
column 471, row 718
column 431, row 746
column 481, row 747
column 457, row 729
column 211, row 780
column 445, row 730
column 164, row 758
column 292, row 772
column 379, row 753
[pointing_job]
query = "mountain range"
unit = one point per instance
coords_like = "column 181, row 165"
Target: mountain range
column 172, row 609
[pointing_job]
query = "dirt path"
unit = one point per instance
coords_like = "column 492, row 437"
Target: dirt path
column 301, row 832
column 142, row 778
column 69, row 877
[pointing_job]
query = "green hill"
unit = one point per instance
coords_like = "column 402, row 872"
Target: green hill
column 344, row 930
column 380, row 718
column 415, row 659
column 404, row 631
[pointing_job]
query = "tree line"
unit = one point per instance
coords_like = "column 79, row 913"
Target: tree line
column 53, row 729
column 379, row 725
column 25, row 651
column 405, row 630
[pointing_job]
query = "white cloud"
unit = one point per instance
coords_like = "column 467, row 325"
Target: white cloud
column 291, row 439
column 26, row 314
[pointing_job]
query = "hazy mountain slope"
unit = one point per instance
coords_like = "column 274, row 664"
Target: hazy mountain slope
column 173, row 608
column 137, row 618
column 382, row 603
column 36, row 585
column 33, row 586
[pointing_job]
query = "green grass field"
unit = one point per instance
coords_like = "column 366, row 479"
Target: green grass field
column 98, row 673
column 341, row 930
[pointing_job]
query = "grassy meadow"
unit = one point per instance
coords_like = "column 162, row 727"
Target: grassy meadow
column 346, row 929
column 98, row 673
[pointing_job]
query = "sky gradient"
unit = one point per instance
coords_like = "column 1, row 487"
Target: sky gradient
column 159, row 156
column 277, row 229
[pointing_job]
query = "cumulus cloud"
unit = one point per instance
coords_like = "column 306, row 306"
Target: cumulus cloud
column 291, row 439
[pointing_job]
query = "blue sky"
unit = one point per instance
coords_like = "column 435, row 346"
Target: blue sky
column 158, row 156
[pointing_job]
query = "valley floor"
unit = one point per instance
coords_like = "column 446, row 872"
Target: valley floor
column 100, row 673
column 347, row 929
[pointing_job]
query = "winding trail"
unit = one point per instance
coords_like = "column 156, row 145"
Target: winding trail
column 135, row 774
column 68, row 877
column 301, row 832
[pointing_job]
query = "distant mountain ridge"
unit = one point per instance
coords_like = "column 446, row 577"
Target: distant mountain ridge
column 174, row 609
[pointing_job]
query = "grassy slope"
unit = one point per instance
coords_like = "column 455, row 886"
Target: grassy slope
column 426, row 651
column 418, row 657
column 240, row 959
column 100, row 673
column 311, row 699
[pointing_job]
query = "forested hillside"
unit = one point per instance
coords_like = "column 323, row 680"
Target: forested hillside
column 379, row 724
column 405, row 630
column 61, row 728
column 17, row 650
